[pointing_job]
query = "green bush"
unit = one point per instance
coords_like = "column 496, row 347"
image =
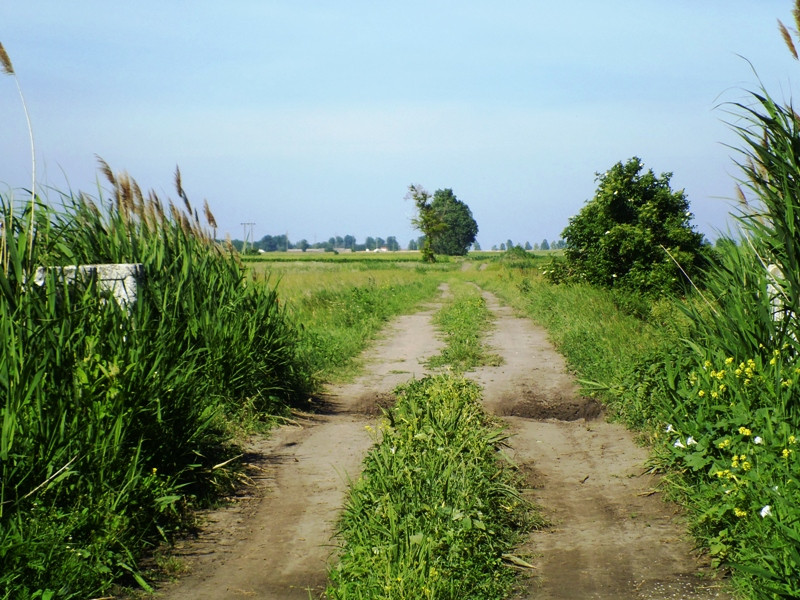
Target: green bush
column 634, row 233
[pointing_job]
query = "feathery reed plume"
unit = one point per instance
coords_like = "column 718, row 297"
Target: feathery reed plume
column 178, row 185
column 125, row 196
column 8, row 69
column 209, row 216
column 5, row 61
column 185, row 224
column 88, row 203
column 740, row 196
column 106, row 170
column 174, row 212
column 796, row 14
column 158, row 207
column 787, row 38
column 181, row 192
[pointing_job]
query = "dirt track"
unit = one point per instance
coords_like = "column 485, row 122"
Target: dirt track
column 611, row 535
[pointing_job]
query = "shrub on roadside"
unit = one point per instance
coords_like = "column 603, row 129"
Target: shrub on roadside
column 632, row 234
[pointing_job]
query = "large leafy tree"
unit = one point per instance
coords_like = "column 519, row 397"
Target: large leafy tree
column 459, row 230
column 634, row 233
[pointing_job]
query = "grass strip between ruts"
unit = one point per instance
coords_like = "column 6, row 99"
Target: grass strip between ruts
column 437, row 509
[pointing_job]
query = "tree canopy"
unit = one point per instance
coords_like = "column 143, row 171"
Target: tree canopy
column 460, row 228
column 633, row 232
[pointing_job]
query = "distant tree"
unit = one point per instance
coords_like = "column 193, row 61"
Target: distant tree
column 503, row 247
column 370, row 243
column 349, row 242
column 412, row 245
column 460, row 227
column 379, row 242
column 391, row 244
column 332, row 242
column 544, row 245
column 476, row 246
column 428, row 220
column 528, row 246
column 509, row 244
column 633, row 231
column 494, row 248
column 303, row 245
column 268, row 244
column 339, row 241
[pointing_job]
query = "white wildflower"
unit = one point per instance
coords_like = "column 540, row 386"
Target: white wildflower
column 766, row 511
column 758, row 440
column 678, row 444
column 670, row 428
column 690, row 441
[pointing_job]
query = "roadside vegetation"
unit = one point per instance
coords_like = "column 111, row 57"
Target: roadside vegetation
column 118, row 420
column 709, row 377
column 116, row 416
column 436, row 512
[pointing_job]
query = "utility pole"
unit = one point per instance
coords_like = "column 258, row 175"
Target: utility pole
column 248, row 233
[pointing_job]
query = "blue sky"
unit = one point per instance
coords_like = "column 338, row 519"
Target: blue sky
column 312, row 118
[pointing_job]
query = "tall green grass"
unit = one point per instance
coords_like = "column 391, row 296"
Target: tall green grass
column 115, row 421
column 436, row 511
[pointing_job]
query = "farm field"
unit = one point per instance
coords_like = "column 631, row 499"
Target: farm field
column 602, row 528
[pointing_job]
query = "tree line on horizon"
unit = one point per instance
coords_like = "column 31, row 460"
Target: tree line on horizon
column 281, row 243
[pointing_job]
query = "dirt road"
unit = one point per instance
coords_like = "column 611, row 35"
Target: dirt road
column 611, row 536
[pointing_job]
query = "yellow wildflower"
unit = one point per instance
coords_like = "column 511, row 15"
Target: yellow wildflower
column 701, row 393
column 786, row 452
column 745, row 431
column 724, row 444
column 739, row 512
column 792, row 439
column 746, row 466
column 729, row 360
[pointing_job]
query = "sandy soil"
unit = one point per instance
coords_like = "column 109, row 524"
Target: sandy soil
column 611, row 535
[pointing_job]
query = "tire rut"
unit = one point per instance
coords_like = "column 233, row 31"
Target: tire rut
column 611, row 535
column 275, row 541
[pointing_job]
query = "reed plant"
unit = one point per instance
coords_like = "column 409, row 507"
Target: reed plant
column 117, row 418
column 733, row 431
